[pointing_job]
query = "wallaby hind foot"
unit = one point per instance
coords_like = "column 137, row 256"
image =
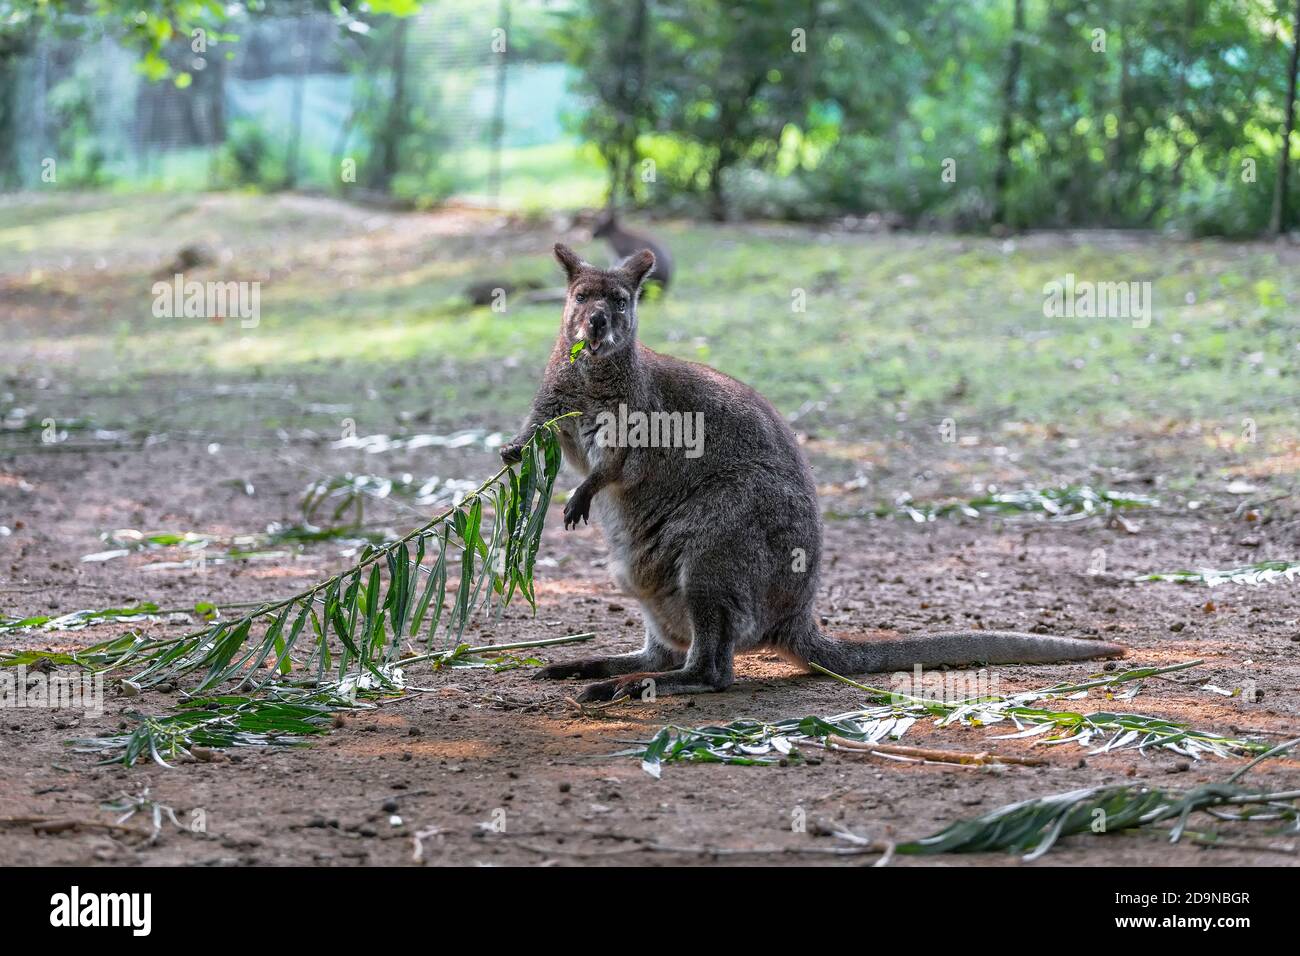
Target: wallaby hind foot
column 655, row 655
column 649, row 685
column 664, row 669
column 706, row 667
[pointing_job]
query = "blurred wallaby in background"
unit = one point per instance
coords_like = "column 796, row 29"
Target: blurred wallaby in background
column 630, row 243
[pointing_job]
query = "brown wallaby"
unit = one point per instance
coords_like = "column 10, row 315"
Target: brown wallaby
column 720, row 540
column 629, row 243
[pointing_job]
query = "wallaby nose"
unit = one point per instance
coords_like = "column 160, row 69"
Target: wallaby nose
column 599, row 322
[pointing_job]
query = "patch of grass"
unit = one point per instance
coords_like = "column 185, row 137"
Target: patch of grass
column 859, row 336
column 555, row 175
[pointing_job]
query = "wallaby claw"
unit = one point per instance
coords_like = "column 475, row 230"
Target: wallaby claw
column 512, row 454
column 606, row 690
column 578, row 506
column 556, row 672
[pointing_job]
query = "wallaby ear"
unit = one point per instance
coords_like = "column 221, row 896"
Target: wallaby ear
column 637, row 266
column 569, row 259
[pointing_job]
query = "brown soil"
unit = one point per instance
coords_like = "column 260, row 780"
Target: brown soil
column 481, row 743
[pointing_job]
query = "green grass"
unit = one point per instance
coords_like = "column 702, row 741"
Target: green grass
column 933, row 327
column 537, row 178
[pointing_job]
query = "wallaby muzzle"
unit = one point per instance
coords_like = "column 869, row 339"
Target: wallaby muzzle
column 598, row 323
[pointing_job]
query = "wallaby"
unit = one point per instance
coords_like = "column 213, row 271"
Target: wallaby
column 719, row 542
column 629, row 243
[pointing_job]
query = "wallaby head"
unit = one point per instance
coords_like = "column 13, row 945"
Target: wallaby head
column 600, row 304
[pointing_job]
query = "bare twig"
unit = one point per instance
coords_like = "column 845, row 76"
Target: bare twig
column 836, row 742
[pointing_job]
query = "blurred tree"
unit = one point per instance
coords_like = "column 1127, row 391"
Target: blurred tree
column 1128, row 113
column 394, row 127
column 150, row 27
column 15, row 41
column 726, row 83
column 611, row 48
column 1278, row 220
column 1005, row 140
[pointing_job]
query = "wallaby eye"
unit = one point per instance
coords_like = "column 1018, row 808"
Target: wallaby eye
column 620, row 304
column 580, row 297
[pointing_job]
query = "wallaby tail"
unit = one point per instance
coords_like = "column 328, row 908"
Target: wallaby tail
column 951, row 647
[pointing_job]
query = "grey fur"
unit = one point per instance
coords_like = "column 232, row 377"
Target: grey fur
column 721, row 550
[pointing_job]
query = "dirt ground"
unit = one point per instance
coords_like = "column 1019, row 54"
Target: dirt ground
column 447, row 762
column 429, row 779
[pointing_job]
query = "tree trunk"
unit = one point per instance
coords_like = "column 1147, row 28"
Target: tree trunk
column 12, row 48
column 1184, row 106
column 1117, row 194
column 635, row 95
column 1002, row 174
column 718, row 200
column 1278, row 222
column 395, row 125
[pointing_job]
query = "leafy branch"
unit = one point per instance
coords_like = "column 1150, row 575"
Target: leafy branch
column 479, row 553
column 281, row 716
column 353, row 628
column 748, row 742
column 1033, row 826
column 79, row 619
column 224, row 721
column 1263, row 572
column 1062, row 503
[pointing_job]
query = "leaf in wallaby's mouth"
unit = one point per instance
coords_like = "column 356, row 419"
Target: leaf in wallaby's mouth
column 578, row 346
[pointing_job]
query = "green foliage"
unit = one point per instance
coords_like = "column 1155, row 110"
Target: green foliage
column 250, row 158
column 75, row 620
column 297, row 661
column 1262, row 572
column 281, row 716
column 221, row 722
column 1122, row 113
column 381, row 603
column 717, row 75
column 1063, row 503
column 73, row 106
column 1128, row 113
column 1033, row 826
column 755, row 743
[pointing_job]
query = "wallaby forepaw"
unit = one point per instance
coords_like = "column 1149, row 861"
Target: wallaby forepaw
column 512, row 454
column 578, row 507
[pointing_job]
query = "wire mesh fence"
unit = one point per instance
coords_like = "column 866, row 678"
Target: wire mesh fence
column 419, row 109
